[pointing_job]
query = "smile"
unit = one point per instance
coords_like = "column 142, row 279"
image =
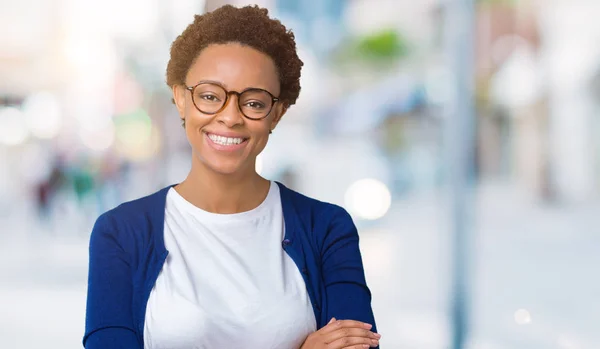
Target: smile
column 223, row 143
column 225, row 140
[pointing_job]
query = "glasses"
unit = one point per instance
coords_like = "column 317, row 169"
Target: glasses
column 211, row 98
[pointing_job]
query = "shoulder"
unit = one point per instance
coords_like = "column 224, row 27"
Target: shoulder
column 133, row 217
column 139, row 208
column 327, row 227
column 305, row 203
column 313, row 211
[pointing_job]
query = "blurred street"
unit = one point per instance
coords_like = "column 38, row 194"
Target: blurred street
column 538, row 259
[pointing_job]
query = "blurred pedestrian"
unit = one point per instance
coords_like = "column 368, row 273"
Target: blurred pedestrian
column 46, row 190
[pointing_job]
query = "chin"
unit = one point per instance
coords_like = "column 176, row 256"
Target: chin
column 225, row 167
column 226, row 170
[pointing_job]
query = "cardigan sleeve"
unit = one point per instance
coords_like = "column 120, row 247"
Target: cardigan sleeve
column 109, row 320
column 348, row 297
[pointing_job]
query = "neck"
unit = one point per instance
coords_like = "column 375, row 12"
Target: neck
column 223, row 193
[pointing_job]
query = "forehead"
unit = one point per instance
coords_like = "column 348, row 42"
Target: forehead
column 235, row 66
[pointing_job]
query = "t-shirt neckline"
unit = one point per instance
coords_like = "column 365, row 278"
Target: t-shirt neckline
column 182, row 203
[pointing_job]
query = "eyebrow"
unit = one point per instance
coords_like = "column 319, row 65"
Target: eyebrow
column 211, row 82
column 225, row 85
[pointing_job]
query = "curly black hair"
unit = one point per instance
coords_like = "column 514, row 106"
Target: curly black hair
column 250, row 26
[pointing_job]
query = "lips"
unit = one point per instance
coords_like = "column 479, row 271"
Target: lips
column 228, row 144
column 224, row 140
column 226, row 135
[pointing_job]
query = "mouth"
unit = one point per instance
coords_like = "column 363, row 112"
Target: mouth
column 220, row 142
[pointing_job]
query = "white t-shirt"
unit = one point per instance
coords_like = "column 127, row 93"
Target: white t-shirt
column 227, row 282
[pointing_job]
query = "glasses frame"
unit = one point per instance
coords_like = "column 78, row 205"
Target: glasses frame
column 228, row 94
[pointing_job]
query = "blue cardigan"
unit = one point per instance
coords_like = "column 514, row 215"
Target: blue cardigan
column 127, row 252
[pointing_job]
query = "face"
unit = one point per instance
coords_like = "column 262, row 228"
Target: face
column 214, row 137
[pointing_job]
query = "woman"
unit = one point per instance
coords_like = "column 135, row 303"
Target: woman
column 228, row 259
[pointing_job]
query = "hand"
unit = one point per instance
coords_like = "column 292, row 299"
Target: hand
column 342, row 334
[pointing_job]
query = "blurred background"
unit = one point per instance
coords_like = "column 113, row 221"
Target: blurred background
column 86, row 122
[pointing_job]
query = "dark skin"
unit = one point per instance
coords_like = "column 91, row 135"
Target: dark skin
column 342, row 334
column 226, row 181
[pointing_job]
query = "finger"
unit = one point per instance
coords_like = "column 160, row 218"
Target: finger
column 330, row 321
column 346, row 342
column 349, row 332
column 332, row 326
column 353, row 323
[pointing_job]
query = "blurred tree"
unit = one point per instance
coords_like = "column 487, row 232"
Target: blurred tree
column 385, row 45
column 379, row 49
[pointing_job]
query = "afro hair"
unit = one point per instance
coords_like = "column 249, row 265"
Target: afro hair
column 250, row 26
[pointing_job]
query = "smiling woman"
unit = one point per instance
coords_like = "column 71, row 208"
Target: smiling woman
column 248, row 115
column 227, row 258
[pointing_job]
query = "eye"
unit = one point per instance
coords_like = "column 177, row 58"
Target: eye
column 209, row 98
column 255, row 105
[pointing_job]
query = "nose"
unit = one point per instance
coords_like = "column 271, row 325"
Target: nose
column 231, row 114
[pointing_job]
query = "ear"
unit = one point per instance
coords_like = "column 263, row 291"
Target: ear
column 179, row 99
column 280, row 110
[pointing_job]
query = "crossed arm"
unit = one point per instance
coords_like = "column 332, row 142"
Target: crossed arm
column 109, row 318
column 348, row 296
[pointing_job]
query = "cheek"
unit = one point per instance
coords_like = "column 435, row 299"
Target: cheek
column 261, row 138
column 189, row 132
column 193, row 124
column 189, row 109
column 194, row 118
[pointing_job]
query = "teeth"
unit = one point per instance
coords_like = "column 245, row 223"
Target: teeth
column 225, row 140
